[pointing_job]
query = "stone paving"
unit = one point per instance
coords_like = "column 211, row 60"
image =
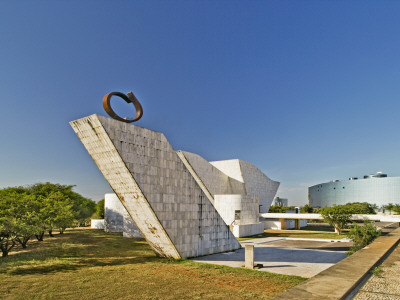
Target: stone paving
column 385, row 284
column 301, row 257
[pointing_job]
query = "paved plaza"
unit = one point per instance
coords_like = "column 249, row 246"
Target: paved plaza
column 290, row 256
column 384, row 284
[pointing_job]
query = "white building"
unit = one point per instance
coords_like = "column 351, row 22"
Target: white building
column 238, row 190
column 375, row 189
column 278, row 201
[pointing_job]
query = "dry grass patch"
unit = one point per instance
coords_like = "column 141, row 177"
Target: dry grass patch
column 87, row 264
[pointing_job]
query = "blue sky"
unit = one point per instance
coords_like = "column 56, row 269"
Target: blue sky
column 308, row 91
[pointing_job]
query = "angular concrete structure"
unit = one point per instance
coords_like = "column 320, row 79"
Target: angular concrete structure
column 167, row 204
column 117, row 218
column 255, row 182
column 238, row 190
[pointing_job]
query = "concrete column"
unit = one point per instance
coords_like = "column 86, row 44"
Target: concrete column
column 297, row 224
column 283, row 224
column 249, row 256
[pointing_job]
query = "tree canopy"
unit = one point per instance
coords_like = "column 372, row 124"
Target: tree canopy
column 100, row 208
column 337, row 216
column 32, row 210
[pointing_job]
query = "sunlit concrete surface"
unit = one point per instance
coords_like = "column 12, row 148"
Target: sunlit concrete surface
column 385, row 281
column 301, row 257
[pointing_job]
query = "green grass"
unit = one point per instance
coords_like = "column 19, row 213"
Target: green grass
column 377, row 271
column 309, row 234
column 88, row 264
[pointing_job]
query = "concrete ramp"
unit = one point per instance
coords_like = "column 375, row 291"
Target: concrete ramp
column 162, row 197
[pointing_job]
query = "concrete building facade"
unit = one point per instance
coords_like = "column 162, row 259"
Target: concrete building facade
column 375, row 189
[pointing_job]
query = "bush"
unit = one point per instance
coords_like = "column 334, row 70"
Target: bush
column 363, row 235
column 280, row 209
column 360, row 208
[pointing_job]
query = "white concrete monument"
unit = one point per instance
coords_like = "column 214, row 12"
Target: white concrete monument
column 160, row 194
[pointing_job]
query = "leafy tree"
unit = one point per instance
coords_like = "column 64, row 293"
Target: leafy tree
column 396, row 208
column 390, row 207
column 57, row 212
column 27, row 218
column 30, row 211
column 363, row 235
column 306, row 209
column 18, row 218
column 7, row 235
column 336, row 216
column 82, row 207
column 100, row 208
column 375, row 207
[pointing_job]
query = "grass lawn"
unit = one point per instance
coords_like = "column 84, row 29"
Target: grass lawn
column 91, row 264
column 310, row 233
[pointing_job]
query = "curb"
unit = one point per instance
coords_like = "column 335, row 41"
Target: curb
column 338, row 281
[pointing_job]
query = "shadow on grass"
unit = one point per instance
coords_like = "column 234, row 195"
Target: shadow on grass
column 74, row 250
column 63, row 267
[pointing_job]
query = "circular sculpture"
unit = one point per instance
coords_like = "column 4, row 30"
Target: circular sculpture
column 129, row 98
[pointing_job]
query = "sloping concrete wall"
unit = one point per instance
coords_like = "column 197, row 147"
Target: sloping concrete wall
column 255, row 182
column 230, row 167
column 215, row 181
column 162, row 197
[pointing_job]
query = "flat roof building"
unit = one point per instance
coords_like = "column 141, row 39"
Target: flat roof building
column 376, row 189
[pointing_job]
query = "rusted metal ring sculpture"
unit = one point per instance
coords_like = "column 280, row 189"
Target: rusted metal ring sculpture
column 129, row 98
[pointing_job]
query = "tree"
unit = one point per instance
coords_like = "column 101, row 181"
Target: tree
column 375, row 207
column 306, row 209
column 100, row 208
column 336, row 216
column 7, row 235
column 81, row 207
column 390, row 207
column 18, row 218
column 396, row 208
column 30, row 211
column 57, row 212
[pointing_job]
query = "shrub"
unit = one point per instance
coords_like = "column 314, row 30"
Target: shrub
column 363, row 235
column 280, row 209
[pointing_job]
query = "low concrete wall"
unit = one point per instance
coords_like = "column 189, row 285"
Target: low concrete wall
column 97, row 223
column 338, row 281
column 289, row 224
column 247, row 229
column 272, row 224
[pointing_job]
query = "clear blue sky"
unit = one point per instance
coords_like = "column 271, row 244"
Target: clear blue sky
column 308, row 91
